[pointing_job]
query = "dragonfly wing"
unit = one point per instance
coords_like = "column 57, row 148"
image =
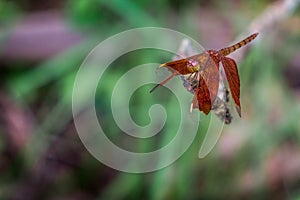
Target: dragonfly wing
column 181, row 66
column 208, row 85
column 186, row 65
column 233, row 79
column 203, row 97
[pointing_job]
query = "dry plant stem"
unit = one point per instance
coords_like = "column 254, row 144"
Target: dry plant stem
column 276, row 12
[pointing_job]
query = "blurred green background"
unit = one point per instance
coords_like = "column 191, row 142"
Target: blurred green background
column 43, row 43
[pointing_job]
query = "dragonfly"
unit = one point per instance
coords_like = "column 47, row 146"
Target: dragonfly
column 201, row 75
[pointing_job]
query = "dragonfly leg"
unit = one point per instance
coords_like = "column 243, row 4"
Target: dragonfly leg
column 194, row 104
column 164, row 81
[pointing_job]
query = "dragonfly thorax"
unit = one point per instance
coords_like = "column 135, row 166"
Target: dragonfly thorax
column 215, row 55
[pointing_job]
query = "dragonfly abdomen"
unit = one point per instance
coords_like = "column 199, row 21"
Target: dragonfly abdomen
column 229, row 50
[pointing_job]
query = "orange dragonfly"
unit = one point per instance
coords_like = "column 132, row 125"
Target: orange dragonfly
column 204, row 75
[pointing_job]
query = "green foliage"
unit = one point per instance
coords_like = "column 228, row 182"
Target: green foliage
column 269, row 107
